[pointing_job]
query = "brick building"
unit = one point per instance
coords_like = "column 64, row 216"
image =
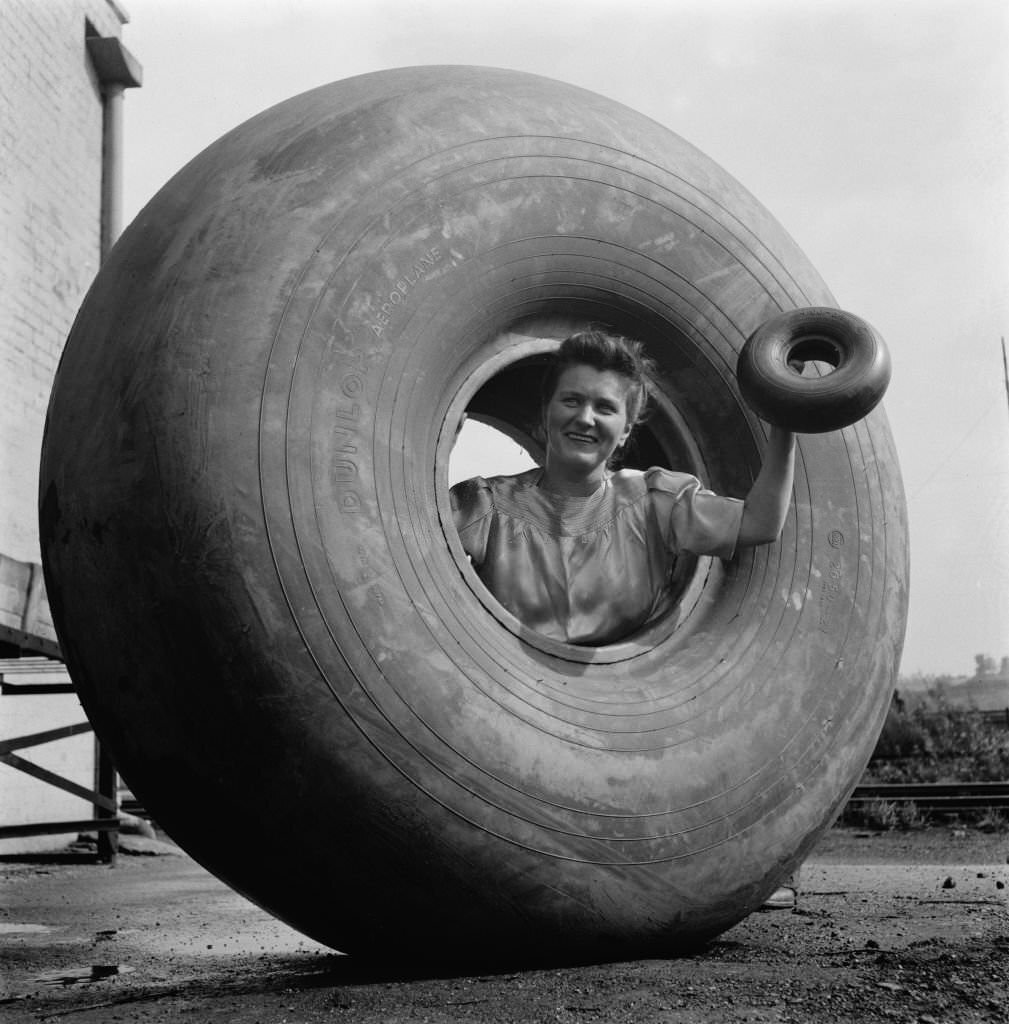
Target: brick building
column 63, row 70
column 53, row 99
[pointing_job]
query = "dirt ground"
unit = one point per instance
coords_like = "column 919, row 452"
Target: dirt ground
column 896, row 927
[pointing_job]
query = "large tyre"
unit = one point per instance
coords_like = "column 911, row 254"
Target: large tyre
column 248, row 549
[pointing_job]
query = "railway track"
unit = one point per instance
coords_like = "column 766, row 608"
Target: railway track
column 950, row 797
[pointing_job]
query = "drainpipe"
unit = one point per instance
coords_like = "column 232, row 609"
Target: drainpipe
column 117, row 70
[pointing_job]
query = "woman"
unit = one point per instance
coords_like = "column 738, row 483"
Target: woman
column 583, row 554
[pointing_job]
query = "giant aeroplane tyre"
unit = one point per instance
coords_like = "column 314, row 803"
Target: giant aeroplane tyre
column 249, row 553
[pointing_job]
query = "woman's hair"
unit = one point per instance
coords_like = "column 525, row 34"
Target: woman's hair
column 603, row 350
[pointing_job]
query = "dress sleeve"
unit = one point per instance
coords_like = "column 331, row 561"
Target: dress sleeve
column 472, row 505
column 694, row 519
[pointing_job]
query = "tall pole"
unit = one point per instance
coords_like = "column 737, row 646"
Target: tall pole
column 116, row 70
column 112, row 163
column 1005, row 369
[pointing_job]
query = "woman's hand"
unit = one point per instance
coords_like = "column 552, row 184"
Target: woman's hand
column 766, row 505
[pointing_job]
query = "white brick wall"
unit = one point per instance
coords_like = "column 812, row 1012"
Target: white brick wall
column 50, row 199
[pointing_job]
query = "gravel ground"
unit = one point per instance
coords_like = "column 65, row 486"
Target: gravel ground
column 896, row 927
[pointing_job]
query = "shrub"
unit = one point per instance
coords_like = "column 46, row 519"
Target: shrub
column 883, row 815
column 934, row 742
column 993, row 820
column 902, row 736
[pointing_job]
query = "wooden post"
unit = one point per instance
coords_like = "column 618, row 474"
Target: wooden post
column 107, row 785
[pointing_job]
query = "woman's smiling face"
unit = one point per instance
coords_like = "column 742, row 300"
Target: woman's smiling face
column 586, row 420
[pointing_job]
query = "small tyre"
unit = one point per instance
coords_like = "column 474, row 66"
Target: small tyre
column 813, row 370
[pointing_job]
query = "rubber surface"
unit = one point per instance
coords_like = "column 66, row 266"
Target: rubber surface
column 244, row 516
column 813, row 370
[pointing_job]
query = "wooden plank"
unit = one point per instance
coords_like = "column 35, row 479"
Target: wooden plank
column 46, row 828
column 25, row 617
column 33, row 689
column 15, row 580
column 36, row 612
column 106, row 803
column 36, row 739
column 33, row 665
column 16, row 640
column 99, row 800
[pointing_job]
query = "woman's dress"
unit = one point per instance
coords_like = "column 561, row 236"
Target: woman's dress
column 589, row 570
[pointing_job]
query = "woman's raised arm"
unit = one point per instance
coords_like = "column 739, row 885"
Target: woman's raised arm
column 766, row 505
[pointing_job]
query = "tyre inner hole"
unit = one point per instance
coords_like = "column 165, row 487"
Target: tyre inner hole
column 813, row 356
column 501, row 434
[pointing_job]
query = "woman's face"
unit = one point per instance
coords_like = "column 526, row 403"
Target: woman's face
column 586, row 420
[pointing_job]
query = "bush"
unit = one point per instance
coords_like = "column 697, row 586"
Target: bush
column 884, row 815
column 902, row 736
column 934, row 742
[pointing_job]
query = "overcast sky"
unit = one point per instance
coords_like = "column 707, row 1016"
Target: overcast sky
column 876, row 131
